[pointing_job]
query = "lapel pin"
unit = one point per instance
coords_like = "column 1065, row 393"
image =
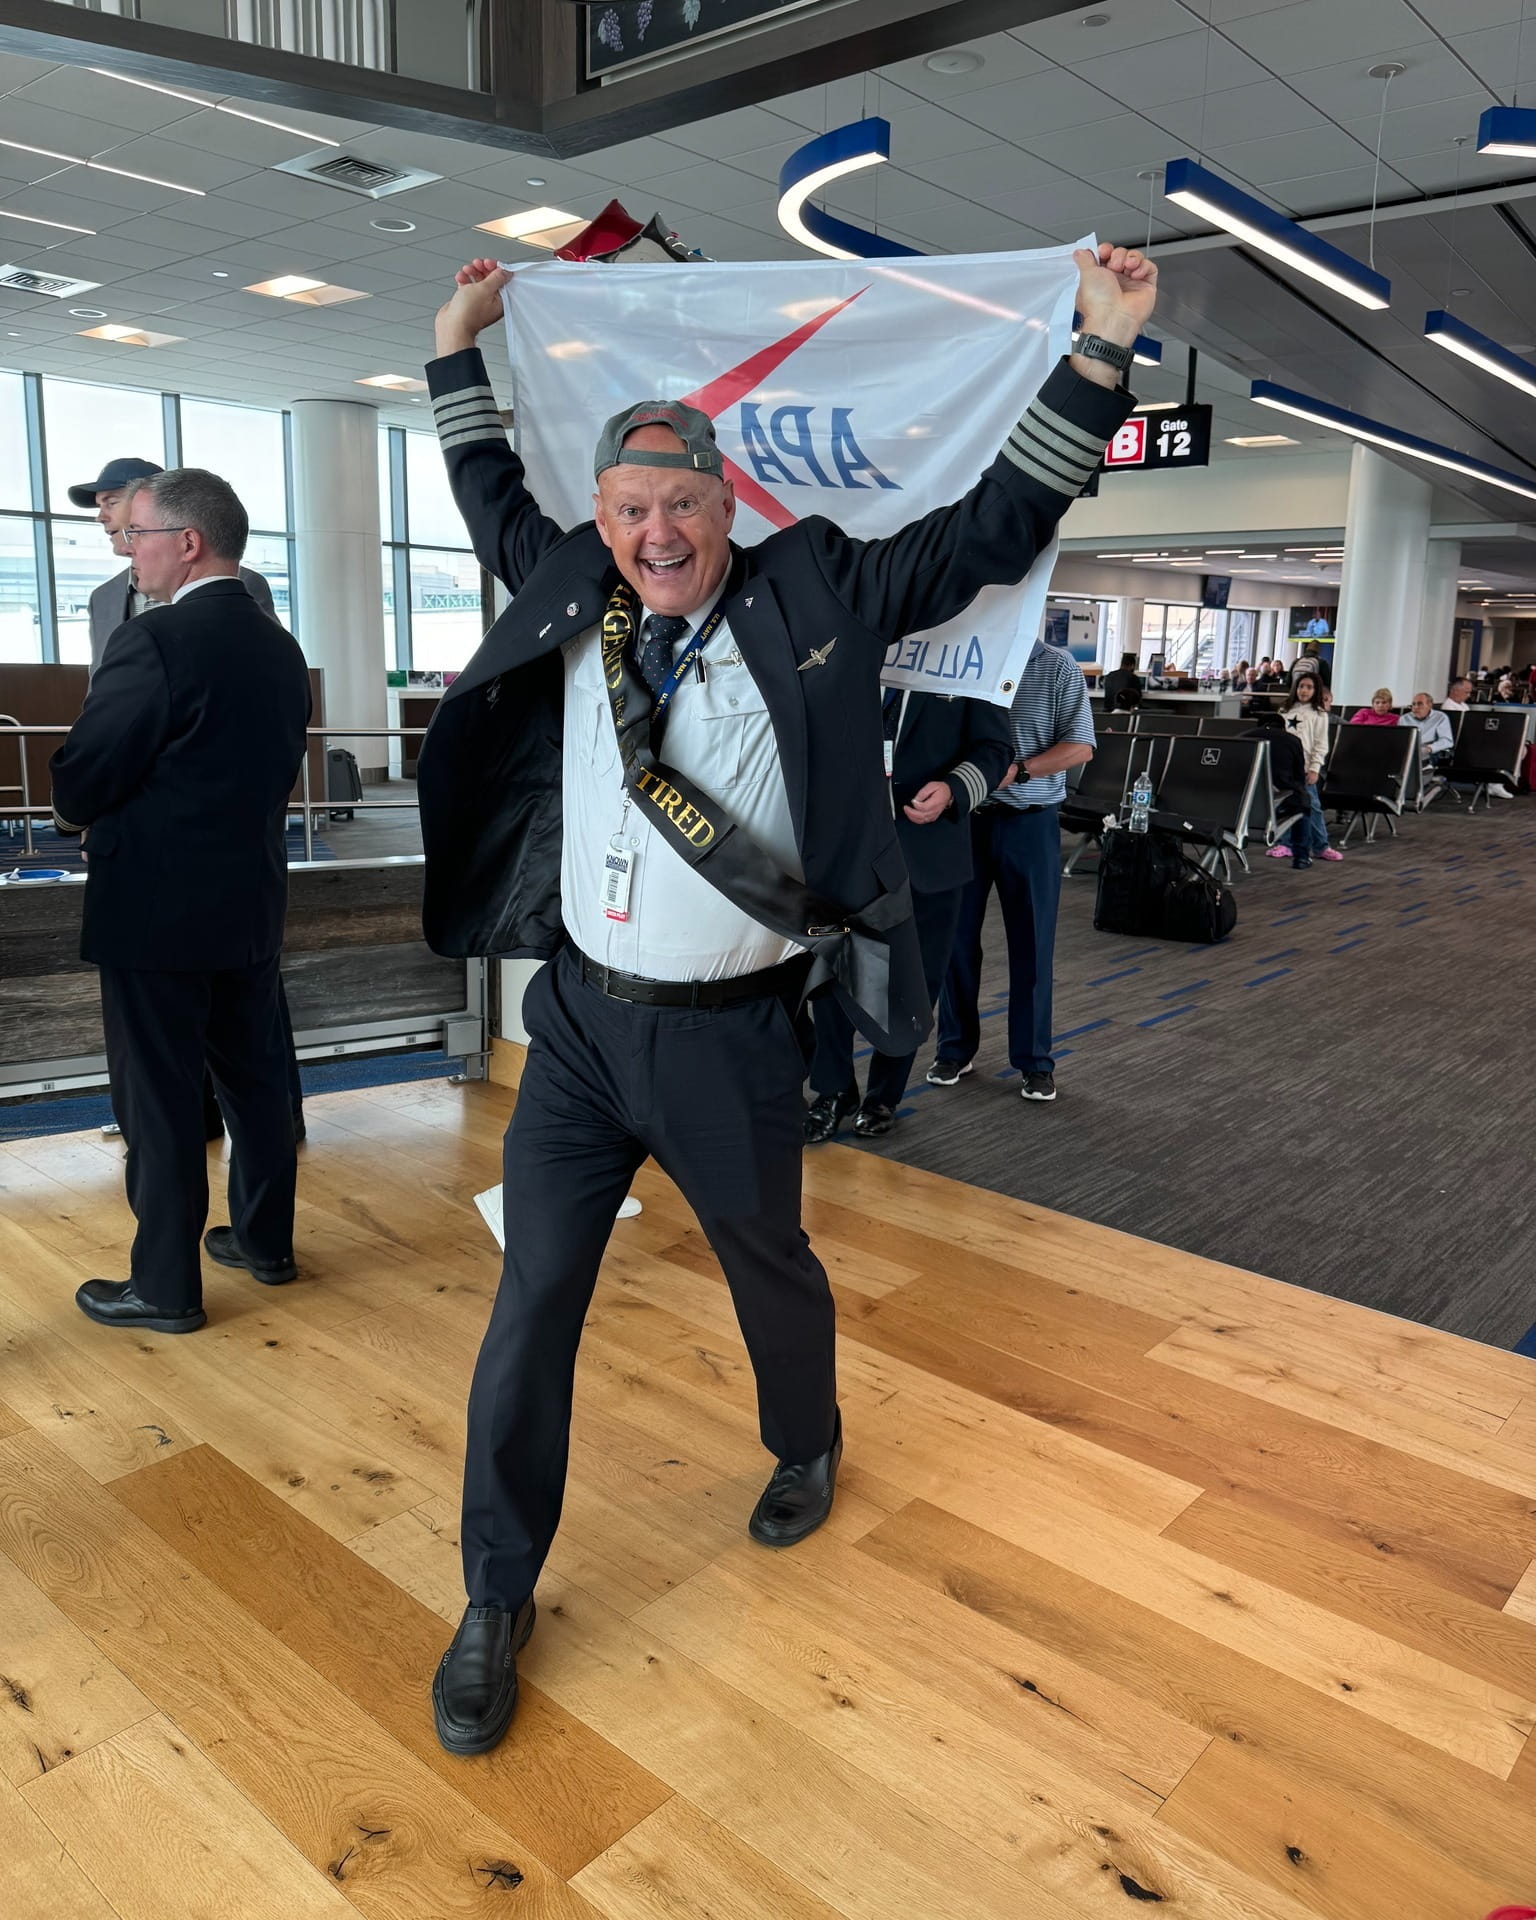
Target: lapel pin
column 748, row 601
column 572, row 610
column 818, row 656
column 545, row 628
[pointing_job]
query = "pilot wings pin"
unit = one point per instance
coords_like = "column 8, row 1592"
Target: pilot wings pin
column 817, row 657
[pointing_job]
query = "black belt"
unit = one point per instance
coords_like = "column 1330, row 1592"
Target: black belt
column 788, row 978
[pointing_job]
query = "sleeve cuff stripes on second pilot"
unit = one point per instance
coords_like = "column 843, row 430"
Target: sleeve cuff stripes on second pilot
column 972, row 780
column 1052, row 451
column 468, row 413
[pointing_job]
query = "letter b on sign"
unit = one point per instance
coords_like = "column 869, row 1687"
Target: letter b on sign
column 1129, row 446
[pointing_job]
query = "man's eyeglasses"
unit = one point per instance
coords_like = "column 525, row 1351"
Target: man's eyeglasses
column 132, row 534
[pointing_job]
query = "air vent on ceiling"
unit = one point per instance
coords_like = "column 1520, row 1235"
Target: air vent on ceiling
column 373, row 179
column 56, row 285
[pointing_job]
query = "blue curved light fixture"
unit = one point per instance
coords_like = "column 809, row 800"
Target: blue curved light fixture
column 1323, row 414
column 812, row 168
column 1199, row 191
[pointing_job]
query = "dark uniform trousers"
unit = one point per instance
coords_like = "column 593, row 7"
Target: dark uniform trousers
column 714, row 1096
column 937, row 915
column 1018, row 852
column 160, row 1029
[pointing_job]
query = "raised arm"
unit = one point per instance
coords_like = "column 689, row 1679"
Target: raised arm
column 933, row 569
column 509, row 533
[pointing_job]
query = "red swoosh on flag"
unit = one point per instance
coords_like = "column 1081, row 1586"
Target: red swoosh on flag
column 727, row 388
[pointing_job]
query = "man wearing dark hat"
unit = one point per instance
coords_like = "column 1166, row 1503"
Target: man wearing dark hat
column 121, row 598
column 664, row 768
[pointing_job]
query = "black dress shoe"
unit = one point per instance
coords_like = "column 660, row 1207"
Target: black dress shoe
column 219, row 1243
column 474, row 1691
column 798, row 1497
column 873, row 1119
column 113, row 1303
column 826, row 1112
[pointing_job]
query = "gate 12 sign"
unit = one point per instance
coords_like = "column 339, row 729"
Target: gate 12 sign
column 1171, row 439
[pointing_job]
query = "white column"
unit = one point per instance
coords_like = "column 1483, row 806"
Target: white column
column 339, row 574
column 1437, row 620
column 1381, row 597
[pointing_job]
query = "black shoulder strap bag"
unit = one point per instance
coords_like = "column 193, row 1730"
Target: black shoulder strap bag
column 843, row 941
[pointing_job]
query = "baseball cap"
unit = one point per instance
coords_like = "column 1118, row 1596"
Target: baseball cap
column 696, row 431
column 114, row 476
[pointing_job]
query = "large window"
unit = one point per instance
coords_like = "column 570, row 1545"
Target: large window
column 1198, row 640
column 61, row 433
column 437, row 602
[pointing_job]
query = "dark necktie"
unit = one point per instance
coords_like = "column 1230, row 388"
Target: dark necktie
column 658, row 636
column 890, row 713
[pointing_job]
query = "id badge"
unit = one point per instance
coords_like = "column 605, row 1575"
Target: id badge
column 890, row 758
column 618, row 873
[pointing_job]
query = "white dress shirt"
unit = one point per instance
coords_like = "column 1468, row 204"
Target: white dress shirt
column 718, row 733
column 192, row 586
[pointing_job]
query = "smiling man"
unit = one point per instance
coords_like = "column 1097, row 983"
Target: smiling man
column 665, row 768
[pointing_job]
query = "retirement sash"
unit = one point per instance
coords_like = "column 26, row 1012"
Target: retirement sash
column 699, row 830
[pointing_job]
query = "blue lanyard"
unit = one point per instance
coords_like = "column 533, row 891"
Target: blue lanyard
column 685, row 662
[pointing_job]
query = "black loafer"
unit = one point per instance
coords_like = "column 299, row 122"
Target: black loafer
column 219, row 1243
column 798, row 1497
column 873, row 1119
column 827, row 1112
column 113, row 1303
column 474, row 1691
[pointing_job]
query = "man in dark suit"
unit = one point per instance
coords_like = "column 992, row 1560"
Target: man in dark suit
column 945, row 756
column 664, row 767
column 123, row 596
column 1122, row 689
column 180, row 766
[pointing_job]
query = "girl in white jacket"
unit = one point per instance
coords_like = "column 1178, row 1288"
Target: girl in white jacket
column 1307, row 719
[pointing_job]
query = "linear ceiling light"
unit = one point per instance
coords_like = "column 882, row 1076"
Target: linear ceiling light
column 1508, row 130
column 1447, row 331
column 33, row 221
column 811, row 169
column 395, row 382
column 1202, row 192
column 218, row 106
column 100, row 166
column 308, row 293
column 1266, row 394
column 1264, row 440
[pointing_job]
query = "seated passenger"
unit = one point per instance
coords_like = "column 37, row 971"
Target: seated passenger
column 1380, row 713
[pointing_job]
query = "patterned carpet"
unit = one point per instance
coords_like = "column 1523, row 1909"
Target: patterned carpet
column 1338, row 1096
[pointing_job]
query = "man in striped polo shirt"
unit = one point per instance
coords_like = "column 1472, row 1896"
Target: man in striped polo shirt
column 1016, row 847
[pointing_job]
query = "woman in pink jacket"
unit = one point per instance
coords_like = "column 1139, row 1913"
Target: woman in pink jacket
column 1380, row 713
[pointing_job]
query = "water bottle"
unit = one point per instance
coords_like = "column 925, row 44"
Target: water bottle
column 1141, row 801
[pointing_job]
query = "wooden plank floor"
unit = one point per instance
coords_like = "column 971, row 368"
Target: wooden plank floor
column 1150, row 1582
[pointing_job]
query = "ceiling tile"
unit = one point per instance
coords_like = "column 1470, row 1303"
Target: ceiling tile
column 1004, row 56
column 1503, row 58
column 77, row 90
column 920, row 133
column 989, row 172
column 1125, row 141
column 170, row 159
column 1346, row 91
column 1419, row 129
column 1469, row 16
column 629, row 161
column 728, row 134
column 1240, row 113
column 1068, row 39
column 62, row 131
column 1040, row 103
column 283, row 193
column 507, row 179
column 1181, row 68
column 1287, row 156
column 702, row 185
column 1311, row 34
column 968, row 229
column 1334, row 191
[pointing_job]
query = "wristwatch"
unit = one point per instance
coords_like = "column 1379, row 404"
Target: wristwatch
column 1092, row 347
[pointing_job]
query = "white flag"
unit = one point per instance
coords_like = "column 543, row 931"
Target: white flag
column 870, row 391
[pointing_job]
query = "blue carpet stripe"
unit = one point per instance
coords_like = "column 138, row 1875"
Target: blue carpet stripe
column 1285, row 953
column 1175, row 993
column 1264, row 978
column 1072, row 1032
column 1158, row 1018
column 1354, row 929
column 1346, row 946
column 1105, row 978
column 1417, row 921
column 1290, row 919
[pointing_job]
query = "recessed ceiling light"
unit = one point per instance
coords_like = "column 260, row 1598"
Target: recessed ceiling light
column 393, row 224
column 958, row 60
column 32, row 221
column 395, row 382
column 538, row 227
column 309, row 293
column 1261, row 440
column 1094, row 20
column 220, row 273
column 88, row 313
column 131, row 336
column 534, row 180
